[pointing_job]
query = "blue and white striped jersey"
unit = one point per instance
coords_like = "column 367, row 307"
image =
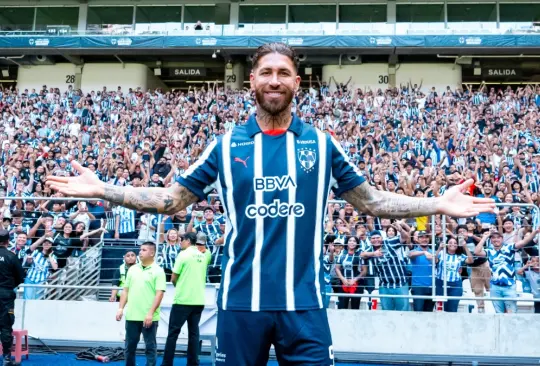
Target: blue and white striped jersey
column 41, row 267
column 274, row 191
column 127, row 219
column 453, row 263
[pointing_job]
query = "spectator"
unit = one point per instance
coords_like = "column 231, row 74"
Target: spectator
column 478, row 271
column 422, row 273
column 450, row 259
column 531, row 271
column 501, row 260
column 351, row 269
column 119, row 280
column 329, row 267
column 169, row 251
column 391, row 270
column 212, row 229
column 42, row 262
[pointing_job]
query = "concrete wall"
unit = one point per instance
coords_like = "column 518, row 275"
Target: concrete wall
column 431, row 75
column 353, row 331
column 92, row 77
column 375, row 76
column 96, row 76
column 58, row 76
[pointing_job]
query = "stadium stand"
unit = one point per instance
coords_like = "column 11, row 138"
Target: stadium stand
column 420, row 97
column 404, row 140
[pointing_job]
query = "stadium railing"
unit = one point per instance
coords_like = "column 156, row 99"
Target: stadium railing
column 94, row 276
column 292, row 29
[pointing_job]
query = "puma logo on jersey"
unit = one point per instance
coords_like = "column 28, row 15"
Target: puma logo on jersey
column 244, row 162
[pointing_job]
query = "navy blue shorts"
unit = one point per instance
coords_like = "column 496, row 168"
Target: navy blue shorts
column 299, row 338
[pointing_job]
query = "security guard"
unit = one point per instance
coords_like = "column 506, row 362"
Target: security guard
column 11, row 276
column 130, row 258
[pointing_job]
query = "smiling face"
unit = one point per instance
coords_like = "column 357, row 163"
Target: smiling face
column 275, row 81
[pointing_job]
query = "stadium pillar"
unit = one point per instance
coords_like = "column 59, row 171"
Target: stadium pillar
column 83, row 16
column 234, row 14
column 391, row 12
column 78, row 77
column 392, row 62
column 234, row 76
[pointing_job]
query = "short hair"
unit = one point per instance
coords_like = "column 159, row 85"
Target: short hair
column 150, row 244
column 275, row 47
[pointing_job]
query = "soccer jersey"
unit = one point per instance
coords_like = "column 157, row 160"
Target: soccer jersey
column 502, row 265
column 274, row 191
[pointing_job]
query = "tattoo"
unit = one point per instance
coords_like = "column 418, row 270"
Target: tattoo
column 152, row 200
column 269, row 121
column 389, row 205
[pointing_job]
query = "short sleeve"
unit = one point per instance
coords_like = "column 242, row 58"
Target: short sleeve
column 345, row 174
column 116, row 277
column 178, row 264
column 463, row 257
column 203, row 173
column 161, row 284
column 208, row 256
column 128, row 280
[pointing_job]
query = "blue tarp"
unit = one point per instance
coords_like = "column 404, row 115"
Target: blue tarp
column 439, row 41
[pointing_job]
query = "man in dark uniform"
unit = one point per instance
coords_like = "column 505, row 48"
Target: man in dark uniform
column 11, row 276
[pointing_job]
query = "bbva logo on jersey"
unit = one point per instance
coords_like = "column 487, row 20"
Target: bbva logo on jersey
column 307, row 158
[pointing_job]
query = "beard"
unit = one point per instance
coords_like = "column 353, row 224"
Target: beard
column 274, row 107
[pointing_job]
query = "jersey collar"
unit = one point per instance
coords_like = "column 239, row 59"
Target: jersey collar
column 253, row 127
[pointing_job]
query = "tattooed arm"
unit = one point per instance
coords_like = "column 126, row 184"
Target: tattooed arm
column 389, row 205
column 153, row 200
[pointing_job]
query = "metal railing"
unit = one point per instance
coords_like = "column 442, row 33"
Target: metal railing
column 85, row 275
column 76, row 281
column 288, row 29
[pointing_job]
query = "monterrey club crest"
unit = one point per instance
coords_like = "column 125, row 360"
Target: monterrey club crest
column 307, row 158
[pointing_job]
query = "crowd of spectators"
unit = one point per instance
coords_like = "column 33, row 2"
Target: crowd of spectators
column 410, row 140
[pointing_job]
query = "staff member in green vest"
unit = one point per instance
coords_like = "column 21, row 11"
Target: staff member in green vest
column 119, row 279
column 189, row 278
column 143, row 291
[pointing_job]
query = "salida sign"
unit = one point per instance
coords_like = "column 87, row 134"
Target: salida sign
column 501, row 73
column 180, row 72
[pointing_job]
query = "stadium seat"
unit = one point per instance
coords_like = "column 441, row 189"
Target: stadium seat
column 19, row 349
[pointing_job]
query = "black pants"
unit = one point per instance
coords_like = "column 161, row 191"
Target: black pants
column 168, row 274
column 7, row 318
column 133, row 336
column 354, row 301
column 179, row 315
column 537, row 307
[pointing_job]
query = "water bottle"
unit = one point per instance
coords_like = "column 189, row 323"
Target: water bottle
column 103, row 359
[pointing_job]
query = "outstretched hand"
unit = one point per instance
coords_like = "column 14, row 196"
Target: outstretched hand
column 86, row 184
column 456, row 203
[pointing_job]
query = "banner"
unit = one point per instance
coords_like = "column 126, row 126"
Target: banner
column 352, row 41
column 39, row 42
column 470, row 41
column 122, row 42
column 194, row 42
column 294, row 41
